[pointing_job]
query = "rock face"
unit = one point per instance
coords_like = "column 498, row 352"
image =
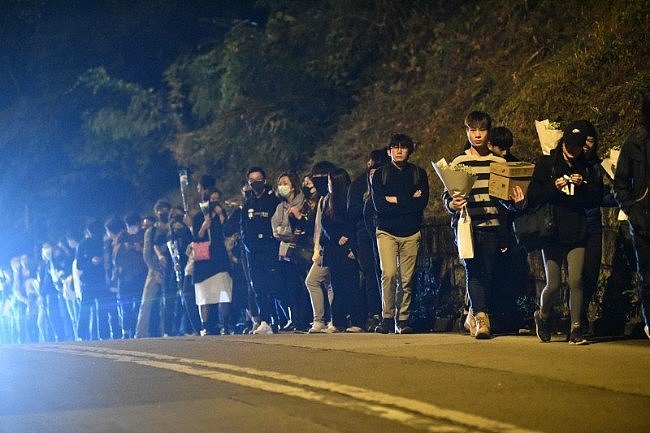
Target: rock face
column 439, row 301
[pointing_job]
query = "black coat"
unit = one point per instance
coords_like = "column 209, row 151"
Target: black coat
column 631, row 182
column 569, row 210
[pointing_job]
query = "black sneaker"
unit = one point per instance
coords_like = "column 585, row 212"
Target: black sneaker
column 576, row 338
column 541, row 327
column 371, row 323
column 403, row 328
column 385, row 326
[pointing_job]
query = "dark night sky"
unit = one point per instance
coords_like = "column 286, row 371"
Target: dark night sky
column 46, row 46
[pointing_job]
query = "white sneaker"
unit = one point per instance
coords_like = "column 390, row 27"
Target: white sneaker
column 647, row 330
column 263, row 329
column 330, row 329
column 354, row 329
column 317, row 327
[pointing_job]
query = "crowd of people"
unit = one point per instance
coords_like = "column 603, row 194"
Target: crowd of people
column 325, row 253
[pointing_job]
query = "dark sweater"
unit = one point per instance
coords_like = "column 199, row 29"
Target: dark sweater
column 403, row 218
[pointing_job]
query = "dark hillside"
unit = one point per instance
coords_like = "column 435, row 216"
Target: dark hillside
column 520, row 61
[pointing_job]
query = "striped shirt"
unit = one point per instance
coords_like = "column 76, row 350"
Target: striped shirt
column 482, row 208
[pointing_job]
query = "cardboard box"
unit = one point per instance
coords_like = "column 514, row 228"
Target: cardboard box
column 512, row 169
column 502, row 186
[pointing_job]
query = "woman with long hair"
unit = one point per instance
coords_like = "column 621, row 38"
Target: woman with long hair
column 339, row 255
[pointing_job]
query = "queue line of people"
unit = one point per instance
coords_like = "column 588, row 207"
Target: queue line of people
column 324, row 254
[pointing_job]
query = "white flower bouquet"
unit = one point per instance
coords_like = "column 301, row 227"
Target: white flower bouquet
column 549, row 134
column 457, row 179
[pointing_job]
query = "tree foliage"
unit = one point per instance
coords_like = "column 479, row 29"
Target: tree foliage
column 219, row 86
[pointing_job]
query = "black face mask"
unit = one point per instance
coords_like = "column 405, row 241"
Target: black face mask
column 164, row 218
column 306, row 192
column 258, row 186
column 321, row 185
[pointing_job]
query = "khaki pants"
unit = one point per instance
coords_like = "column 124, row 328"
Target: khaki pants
column 397, row 253
column 317, row 279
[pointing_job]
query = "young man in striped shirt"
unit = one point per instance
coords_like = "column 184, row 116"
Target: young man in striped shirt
column 489, row 232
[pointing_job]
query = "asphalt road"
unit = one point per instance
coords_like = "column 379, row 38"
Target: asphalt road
column 326, row 383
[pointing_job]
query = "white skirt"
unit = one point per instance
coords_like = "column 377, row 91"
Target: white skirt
column 214, row 290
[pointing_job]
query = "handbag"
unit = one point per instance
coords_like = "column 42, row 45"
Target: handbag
column 202, row 249
column 536, row 228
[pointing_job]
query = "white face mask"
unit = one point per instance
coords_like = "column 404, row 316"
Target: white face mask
column 132, row 229
column 284, row 190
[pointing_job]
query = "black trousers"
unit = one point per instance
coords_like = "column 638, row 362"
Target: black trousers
column 371, row 272
column 106, row 321
column 642, row 249
column 348, row 297
column 480, row 269
column 266, row 281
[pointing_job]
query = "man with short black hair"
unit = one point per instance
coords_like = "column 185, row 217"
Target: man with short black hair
column 261, row 248
column 400, row 192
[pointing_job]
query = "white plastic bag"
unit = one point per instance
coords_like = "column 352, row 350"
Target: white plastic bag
column 464, row 235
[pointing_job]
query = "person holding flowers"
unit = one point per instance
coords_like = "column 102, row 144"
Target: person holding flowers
column 489, row 232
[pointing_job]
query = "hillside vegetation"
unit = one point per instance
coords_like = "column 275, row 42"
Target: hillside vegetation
column 520, row 61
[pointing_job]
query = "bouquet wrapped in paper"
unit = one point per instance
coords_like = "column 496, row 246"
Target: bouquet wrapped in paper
column 549, row 134
column 184, row 184
column 457, row 179
column 609, row 163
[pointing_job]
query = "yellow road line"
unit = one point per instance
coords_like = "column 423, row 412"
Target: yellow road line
column 400, row 409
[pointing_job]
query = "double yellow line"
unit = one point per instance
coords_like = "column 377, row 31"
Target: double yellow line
column 412, row 413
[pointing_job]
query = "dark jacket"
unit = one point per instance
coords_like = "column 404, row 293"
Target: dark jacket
column 333, row 230
column 357, row 193
column 255, row 223
column 594, row 215
column 129, row 263
column 93, row 275
column 403, row 218
column 631, row 182
column 569, row 210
